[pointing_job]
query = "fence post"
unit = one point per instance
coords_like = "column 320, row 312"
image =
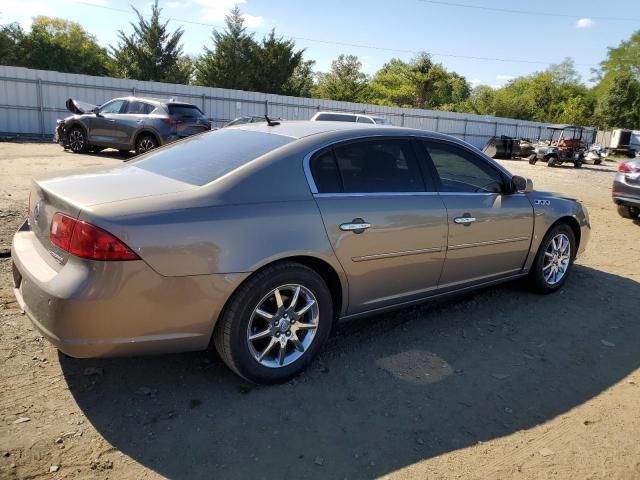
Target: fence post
column 402, row 119
column 133, row 91
column 40, row 106
column 539, row 132
column 266, row 107
column 204, row 97
column 517, row 130
column 437, row 124
column 464, row 133
column 495, row 130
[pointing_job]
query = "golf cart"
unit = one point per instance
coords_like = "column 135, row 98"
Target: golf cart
column 565, row 145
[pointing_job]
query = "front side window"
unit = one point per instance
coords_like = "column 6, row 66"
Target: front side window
column 461, row 171
column 112, row 107
column 372, row 166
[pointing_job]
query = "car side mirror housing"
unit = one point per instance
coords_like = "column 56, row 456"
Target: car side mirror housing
column 521, row 184
column 97, row 112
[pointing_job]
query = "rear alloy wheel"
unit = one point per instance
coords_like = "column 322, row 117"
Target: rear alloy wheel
column 554, row 259
column 145, row 143
column 275, row 324
column 77, row 140
column 626, row 211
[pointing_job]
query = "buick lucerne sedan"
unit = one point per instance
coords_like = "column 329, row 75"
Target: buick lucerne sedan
column 258, row 238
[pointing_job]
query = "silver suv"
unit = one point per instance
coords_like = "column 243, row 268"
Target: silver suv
column 130, row 123
column 348, row 117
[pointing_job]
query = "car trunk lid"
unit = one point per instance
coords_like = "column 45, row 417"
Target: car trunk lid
column 190, row 119
column 70, row 194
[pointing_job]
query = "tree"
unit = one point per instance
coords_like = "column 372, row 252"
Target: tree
column 564, row 73
column 419, row 84
column 300, row 84
column 151, row 52
column 276, row 60
column 345, row 81
column 230, row 63
column 619, row 103
column 11, row 45
column 55, row 44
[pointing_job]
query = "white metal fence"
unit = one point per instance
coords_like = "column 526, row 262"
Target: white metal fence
column 32, row 100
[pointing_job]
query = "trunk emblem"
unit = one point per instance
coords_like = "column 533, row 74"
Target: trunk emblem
column 36, row 211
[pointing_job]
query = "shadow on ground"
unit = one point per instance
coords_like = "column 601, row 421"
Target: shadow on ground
column 389, row 391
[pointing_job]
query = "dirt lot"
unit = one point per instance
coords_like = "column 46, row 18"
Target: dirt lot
column 500, row 384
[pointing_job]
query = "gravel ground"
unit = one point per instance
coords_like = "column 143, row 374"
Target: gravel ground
column 502, row 383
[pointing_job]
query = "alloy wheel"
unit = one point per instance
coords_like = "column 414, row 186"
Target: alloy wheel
column 283, row 325
column 556, row 259
column 76, row 140
column 145, row 144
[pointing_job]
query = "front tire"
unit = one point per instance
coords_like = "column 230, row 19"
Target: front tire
column 552, row 162
column 275, row 324
column 626, row 211
column 77, row 140
column 554, row 260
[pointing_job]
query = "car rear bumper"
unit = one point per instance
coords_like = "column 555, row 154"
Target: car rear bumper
column 100, row 309
column 625, row 193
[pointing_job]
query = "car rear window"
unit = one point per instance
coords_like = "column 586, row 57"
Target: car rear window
column 201, row 159
column 185, row 110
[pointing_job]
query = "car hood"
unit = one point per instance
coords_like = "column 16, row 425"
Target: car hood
column 90, row 187
column 79, row 107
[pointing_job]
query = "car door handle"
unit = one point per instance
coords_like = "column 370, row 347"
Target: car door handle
column 464, row 220
column 357, row 225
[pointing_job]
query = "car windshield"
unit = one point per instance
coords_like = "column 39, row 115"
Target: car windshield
column 202, row 159
column 185, row 110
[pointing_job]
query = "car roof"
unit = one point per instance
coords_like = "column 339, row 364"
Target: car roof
column 304, row 128
column 157, row 101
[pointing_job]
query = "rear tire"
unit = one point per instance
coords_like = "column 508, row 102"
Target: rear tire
column 145, row 142
column 532, row 160
column 263, row 359
column 77, row 139
column 626, row 211
column 541, row 277
column 552, row 162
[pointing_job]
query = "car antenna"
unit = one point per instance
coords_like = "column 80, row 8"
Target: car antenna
column 271, row 123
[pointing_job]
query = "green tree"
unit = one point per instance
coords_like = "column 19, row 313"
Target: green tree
column 151, row 52
column 11, row 45
column 56, row 44
column 230, row 63
column 345, row 81
column 276, row 61
column 619, row 102
column 301, row 84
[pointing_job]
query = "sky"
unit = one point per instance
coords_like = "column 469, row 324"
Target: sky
column 474, row 38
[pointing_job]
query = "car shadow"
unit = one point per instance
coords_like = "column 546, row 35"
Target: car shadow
column 108, row 153
column 389, row 390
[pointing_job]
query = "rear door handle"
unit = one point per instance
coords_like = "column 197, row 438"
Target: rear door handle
column 357, row 225
column 466, row 220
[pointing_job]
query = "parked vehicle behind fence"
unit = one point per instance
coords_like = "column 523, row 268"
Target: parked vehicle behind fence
column 348, row 117
column 131, row 123
column 258, row 238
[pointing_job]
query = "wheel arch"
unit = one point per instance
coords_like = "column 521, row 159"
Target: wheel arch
column 146, row 131
column 573, row 224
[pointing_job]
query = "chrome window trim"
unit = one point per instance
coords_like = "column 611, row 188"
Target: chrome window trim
column 375, row 194
column 306, row 161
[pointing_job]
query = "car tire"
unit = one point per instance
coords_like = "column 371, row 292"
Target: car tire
column 251, row 344
column 77, row 139
column 597, row 161
column 532, row 160
column 625, row 211
column 552, row 162
column 145, row 142
column 577, row 164
column 542, row 277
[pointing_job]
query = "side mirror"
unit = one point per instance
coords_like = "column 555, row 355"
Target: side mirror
column 521, row 184
column 97, row 111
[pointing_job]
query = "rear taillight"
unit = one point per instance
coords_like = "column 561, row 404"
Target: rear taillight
column 627, row 168
column 87, row 241
column 171, row 121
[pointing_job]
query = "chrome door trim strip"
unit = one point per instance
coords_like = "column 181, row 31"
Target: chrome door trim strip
column 488, row 242
column 377, row 256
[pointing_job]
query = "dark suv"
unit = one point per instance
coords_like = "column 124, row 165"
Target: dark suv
column 130, row 123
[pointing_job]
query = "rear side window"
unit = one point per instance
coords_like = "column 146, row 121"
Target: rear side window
column 185, row 110
column 139, row 108
column 461, row 171
column 373, row 166
column 336, row 117
column 364, row 120
column 201, row 159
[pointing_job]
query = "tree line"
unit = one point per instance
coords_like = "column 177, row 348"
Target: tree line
column 236, row 59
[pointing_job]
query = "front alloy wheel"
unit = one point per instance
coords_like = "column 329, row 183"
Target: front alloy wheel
column 77, row 140
column 554, row 259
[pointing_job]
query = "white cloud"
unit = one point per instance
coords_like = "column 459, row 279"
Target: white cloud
column 475, row 81
column 217, row 10
column 23, row 11
column 505, row 77
column 585, row 23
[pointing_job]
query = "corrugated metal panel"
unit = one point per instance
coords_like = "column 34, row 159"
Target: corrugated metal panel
column 31, row 100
